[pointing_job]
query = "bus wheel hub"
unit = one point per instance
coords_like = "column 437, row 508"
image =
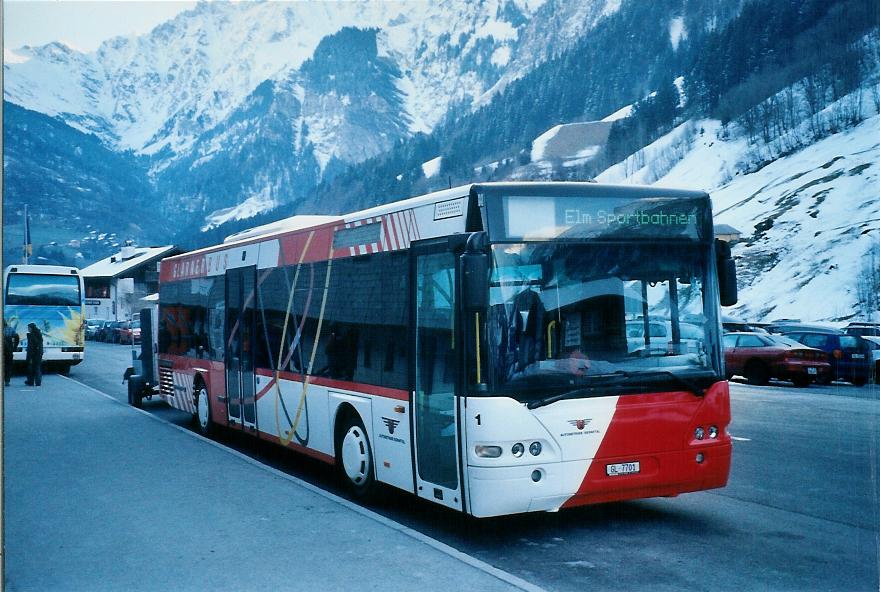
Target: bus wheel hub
column 355, row 458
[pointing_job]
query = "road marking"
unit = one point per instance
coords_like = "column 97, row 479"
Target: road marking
column 740, row 439
column 500, row 574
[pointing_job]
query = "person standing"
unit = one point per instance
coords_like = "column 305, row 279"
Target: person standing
column 34, row 356
column 10, row 343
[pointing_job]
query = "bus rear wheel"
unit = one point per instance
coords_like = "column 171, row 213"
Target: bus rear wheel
column 204, row 421
column 354, row 458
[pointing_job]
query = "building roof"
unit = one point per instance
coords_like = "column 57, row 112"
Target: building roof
column 571, row 141
column 126, row 261
column 726, row 229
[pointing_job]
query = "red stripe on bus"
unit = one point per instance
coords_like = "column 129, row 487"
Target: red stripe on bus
column 415, row 225
column 386, row 228
column 370, row 389
column 299, row 448
column 395, row 227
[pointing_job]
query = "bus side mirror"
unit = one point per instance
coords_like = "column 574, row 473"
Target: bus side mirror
column 475, row 275
column 726, row 273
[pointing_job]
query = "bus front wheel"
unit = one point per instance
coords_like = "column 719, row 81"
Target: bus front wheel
column 355, row 459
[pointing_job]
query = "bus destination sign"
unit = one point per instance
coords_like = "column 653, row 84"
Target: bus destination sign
column 548, row 217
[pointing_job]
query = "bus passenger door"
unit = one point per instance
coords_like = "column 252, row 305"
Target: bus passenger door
column 436, row 372
column 240, row 307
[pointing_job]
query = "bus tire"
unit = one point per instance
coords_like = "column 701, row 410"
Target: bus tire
column 756, row 373
column 354, row 457
column 135, row 391
column 64, row 369
column 203, row 417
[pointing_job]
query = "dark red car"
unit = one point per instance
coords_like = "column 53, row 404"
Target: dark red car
column 129, row 332
column 760, row 356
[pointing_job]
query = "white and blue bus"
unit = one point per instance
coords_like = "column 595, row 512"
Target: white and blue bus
column 51, row 297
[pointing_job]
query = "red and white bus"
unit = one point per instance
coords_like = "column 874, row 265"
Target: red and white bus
column 488, row 347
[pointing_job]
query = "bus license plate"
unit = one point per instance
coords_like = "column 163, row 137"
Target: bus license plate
column 627, row 468
column 811, row 371
column 75, row 356
column 858, row 356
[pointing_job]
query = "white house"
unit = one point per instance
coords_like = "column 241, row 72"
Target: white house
column 115, row 284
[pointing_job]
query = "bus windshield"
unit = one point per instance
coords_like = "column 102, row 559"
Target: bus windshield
column 562, row 315
column 42, row 290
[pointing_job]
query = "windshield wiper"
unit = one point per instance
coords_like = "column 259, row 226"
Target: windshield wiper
column 597, row 380
column 615, row 378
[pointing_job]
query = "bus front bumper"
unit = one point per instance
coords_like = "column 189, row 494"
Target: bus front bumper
column 496, row 491
column 53, row 354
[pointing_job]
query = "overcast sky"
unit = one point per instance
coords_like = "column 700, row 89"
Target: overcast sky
column 82, row 24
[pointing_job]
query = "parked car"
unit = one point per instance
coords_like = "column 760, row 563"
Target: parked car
column 874, row 343
column 130, row 332
column 103, row 331
column 109, row 331
column 785, row 326
column 118, row 327
column 850, row 355
column 761, row 356
column 742, row 326
column 92, row 328
column 863, row 329
column 660, row 333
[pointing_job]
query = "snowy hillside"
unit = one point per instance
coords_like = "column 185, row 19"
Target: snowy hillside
column 806, row 219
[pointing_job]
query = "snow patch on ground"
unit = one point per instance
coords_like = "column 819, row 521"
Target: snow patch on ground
column 246, row 209
column 501, row 56
column 583, row 156
column 621, row 113
column 410, row 97
column 432, row 167
column 611, row 6
column 498, row 30
column 539, row 144
column 10, row 57
column 677, row 31
column 682, row 97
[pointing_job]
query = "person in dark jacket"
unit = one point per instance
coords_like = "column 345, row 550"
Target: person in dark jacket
column 34, row 356
column 10, row 343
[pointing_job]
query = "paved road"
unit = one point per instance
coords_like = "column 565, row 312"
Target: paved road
column 90, row 505
column 800, row 511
